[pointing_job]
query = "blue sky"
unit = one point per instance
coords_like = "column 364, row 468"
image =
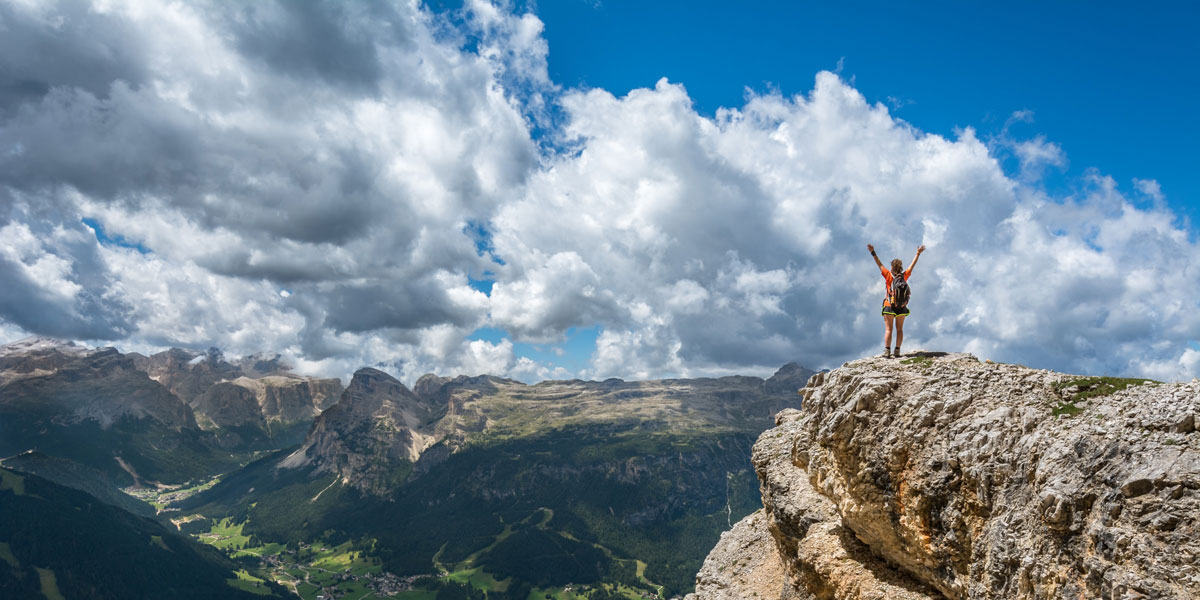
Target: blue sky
column 571, row 354
column 1113, row 85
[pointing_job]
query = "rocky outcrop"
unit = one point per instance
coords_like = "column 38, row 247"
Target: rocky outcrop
column 281, row 399
column 65, row 384
column 744, row 565
column 226, row 405
column 788, row 379
column 372, row 435
column 938, row 476
column 187, row 373
column 291, row 399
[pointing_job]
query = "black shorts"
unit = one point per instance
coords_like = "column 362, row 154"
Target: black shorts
column 892, row 310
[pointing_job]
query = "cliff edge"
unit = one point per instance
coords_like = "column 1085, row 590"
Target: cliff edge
column 939, row 476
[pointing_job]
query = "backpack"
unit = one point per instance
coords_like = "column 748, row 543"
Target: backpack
column 900, row 290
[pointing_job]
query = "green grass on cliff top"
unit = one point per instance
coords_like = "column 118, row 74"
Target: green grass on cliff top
column 1086, row 388
column 1094, row 387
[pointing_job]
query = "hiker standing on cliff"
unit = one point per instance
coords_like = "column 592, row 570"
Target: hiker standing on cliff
column 895, row 305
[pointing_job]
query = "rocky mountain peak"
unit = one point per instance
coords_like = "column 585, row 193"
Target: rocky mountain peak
column 369, row 378
column 940, row 476
column 379, row 426
column 261, row 365
column 188, row 373
column 272, row 400
column 429, row 385
column 370, row 434
column 437, row 391
column 36, row 356
column 376, row 393
column 33, row 345
column 788, row 379
column 265, row 405
column 101, row 385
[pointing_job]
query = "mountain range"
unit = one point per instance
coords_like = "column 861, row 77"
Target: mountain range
column 167, row 418
column 609, row 487
column 515, row 479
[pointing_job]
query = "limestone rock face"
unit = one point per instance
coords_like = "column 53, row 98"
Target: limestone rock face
column 291, row 399
column 68, row 384
column 227, row 405
column 939, row 476
column 204, row 379
column 188, row 374
column 744, row 565
column 370, row 434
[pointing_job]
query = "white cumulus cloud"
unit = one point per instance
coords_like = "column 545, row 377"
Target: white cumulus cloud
column 326, row 179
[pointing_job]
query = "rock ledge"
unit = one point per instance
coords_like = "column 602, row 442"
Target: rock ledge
column 939, row 476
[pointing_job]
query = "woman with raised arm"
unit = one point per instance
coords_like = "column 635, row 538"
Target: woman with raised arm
column 895, row 305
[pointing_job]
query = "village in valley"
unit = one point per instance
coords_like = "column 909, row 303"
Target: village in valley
column 326, row 571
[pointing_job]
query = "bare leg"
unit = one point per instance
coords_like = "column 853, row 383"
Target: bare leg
column 887, row 330
column 900, row 330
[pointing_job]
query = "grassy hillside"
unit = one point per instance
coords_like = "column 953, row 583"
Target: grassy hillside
column 152, row 450
column 57, row 542
column 71, row 474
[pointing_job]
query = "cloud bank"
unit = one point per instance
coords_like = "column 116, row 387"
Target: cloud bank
column 332, row 180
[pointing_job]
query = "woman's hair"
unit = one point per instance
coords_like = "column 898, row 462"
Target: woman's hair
column 897, row 265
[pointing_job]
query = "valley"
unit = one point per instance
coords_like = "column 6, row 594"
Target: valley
column 60, row 542
column 574, row 549
column 348, row 570
column 464, row 487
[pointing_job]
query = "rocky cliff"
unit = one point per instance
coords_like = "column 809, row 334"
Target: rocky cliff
column 938, row 476
column 186, row 373
column 372, row 435
column 66, row 384
column 225, row 404
column 95, row 407
column 271, row 399
column 172, row 416
column 288, row 399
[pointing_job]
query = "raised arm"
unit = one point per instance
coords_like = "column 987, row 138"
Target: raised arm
column 872, row 249
column 913, row 264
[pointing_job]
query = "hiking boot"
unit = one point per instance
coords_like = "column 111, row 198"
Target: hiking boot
column 896, row 352
column 887, row 353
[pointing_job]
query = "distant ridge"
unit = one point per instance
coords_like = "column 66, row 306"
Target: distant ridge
column 172, row 417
